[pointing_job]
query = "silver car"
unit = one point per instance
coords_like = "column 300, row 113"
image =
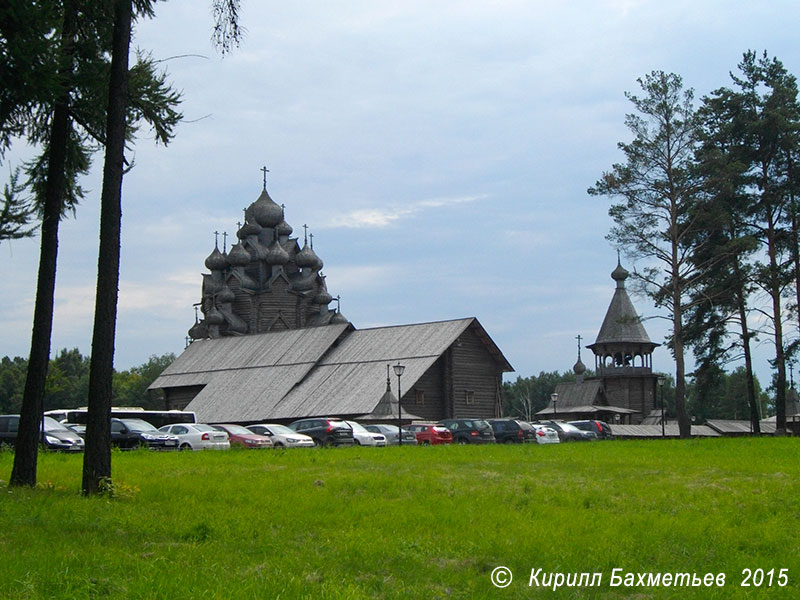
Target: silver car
column 198, row 436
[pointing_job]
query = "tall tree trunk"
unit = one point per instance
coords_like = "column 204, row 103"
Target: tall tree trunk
column 27, row 445
column 755, row 417
column 684, row 424
column 777, row 317
column 97, row 459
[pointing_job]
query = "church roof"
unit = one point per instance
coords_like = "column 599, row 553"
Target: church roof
column 621, row 324
column 318, row 371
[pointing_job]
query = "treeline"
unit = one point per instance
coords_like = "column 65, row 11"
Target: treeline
column 67, row 384
column 725, row 397
column 707, row 206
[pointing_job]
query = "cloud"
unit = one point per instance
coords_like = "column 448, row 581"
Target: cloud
column 383, row 217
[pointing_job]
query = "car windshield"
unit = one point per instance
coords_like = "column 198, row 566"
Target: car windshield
column 525, row 425
column 238, row 430
column 280, row 429
column 138, row 425
column 440, row 428
column 481, row 425
column 50, row 424
column 357, row 427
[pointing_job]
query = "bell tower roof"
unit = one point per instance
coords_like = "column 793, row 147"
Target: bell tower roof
column 621, row 325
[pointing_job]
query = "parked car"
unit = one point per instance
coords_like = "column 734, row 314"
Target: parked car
column 128, row 434
column 325, row 431
column 198, row 436
column 282, row 436
column 56, row 436
column 430, row 433
column 546, row 435
column 469, row 431
column 243, row 437
column 363, row 437
column 569, row 433
column 512, row 431
column 600, row 428
column 390, row 431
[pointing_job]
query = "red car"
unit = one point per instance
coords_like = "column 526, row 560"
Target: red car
column 241, row 436
column 430, row 433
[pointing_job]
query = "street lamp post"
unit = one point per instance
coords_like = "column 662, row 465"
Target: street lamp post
column 398, row 370
column 554, row 398
column 661, row 391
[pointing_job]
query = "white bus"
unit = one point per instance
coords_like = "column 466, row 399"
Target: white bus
column 157, row 418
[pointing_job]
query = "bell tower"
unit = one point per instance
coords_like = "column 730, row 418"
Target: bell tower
column 623, row 354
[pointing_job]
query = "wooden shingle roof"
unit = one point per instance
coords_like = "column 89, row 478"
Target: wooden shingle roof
column 330, row 370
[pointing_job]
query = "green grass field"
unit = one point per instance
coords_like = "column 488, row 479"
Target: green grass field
column 418, row 522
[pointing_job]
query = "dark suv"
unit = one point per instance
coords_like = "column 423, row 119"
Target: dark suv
column 600, row 428
column 512, row 431
column 325, row 432
column 469, row 431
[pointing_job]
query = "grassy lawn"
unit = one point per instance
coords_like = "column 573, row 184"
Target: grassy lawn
column 419, row 522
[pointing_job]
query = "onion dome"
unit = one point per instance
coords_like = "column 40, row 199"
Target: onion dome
column 198, row 331
column 579, row 368
column 283, row 228
column 216, row 261
column 620, row 274
column 308, row 258
column 265, row 212
column 323, row 297
column 214, row 317
column 239, row 256
column 302, row 283
column 226, row 295
column 248, row 229
column 276, row 255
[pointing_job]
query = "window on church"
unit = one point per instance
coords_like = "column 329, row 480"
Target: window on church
column 420, row 396
column 469, row 397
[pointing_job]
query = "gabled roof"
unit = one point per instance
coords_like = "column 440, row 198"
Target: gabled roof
column 330, row 370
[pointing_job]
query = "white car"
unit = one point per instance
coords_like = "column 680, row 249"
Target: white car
column 362, row 437
column 545, row 434
column 197, row 436
column 282, row 436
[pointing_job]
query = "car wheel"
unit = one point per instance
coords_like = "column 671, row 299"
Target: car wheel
column 278, row 444
column 462, row 441
column 426, row 443
column 318, row 443
column 185, row 446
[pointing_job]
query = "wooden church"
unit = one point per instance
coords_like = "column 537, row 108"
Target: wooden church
column 268, row 347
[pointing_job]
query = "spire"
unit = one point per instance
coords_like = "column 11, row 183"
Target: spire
column 305, row 234
column 224, row 242
column 622, row 323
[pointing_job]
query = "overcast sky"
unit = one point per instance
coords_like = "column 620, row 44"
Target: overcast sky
column 440, row 152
